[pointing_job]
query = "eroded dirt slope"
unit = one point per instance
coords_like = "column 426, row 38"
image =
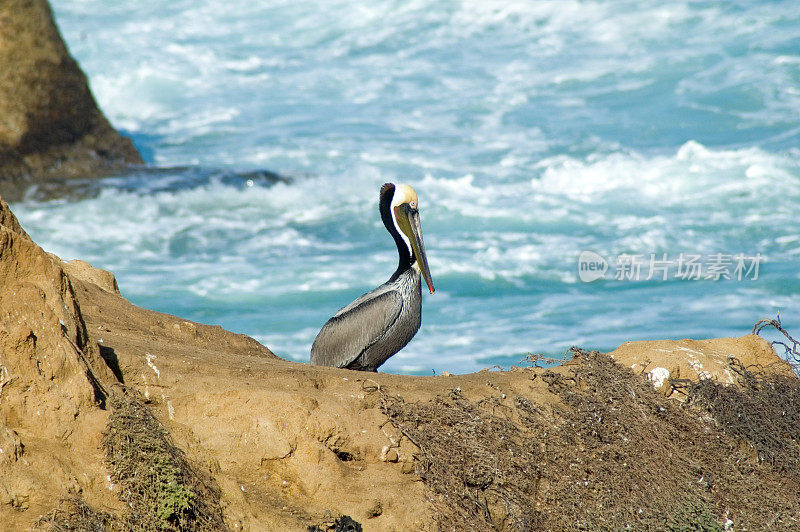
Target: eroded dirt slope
column 283, row 445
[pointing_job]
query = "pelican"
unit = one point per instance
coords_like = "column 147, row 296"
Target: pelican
column 365, row 333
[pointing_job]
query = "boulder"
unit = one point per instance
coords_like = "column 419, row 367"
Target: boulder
column 50, row 125
column 695, row 360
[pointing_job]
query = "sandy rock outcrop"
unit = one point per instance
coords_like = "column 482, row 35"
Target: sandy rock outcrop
column 50, row 415
column 50, row 125
column 291, row 445
column 662, row 360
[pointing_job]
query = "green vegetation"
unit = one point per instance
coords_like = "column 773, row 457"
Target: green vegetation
column 163, row 491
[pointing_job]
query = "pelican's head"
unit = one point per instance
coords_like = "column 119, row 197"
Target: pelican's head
column 405, row 216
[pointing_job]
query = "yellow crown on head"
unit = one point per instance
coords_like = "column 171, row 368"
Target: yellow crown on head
column 404, row 194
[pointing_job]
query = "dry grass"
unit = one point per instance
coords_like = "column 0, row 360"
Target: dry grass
column 162, row 490
column 615, row 455
column 73, row 514
column 763, row 411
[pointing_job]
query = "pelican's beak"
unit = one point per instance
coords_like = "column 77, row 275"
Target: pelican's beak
column 411, row 218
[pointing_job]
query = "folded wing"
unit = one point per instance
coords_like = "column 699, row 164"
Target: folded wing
column 356, row 327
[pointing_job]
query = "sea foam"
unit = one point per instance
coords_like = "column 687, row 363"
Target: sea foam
column 532, row 131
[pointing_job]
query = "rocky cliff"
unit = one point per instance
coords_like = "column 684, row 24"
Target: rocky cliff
column 50, row 125
column 114, row 417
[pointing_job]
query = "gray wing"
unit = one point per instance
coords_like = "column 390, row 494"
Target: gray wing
column 356, row 327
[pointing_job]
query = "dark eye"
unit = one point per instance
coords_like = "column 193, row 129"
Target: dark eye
column 413, row 204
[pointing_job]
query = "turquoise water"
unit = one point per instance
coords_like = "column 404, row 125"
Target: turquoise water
column 532, row 131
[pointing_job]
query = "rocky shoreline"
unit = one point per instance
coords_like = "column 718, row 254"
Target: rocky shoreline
column 261, row 443
column 114, row 417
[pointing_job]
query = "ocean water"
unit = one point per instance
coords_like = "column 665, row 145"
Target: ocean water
column 658, row 136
